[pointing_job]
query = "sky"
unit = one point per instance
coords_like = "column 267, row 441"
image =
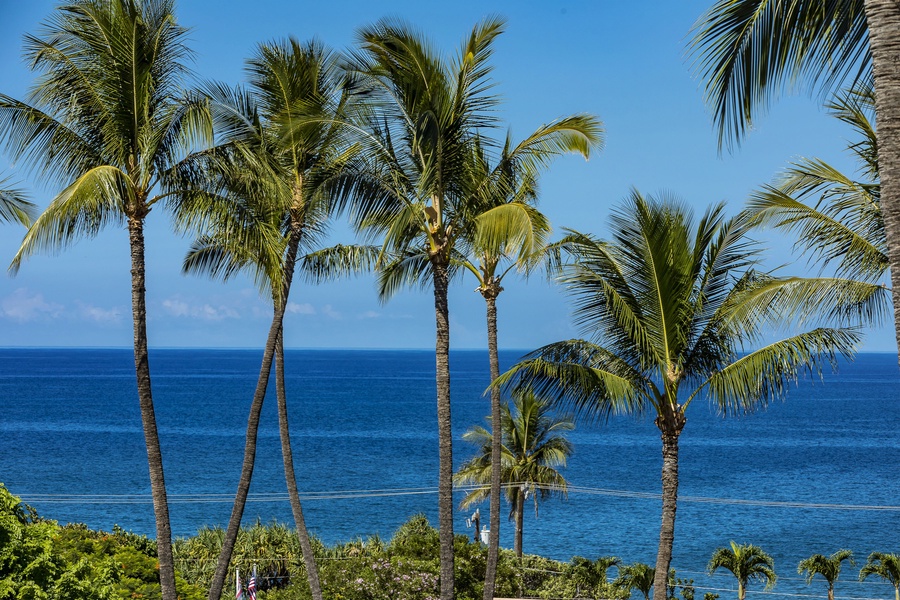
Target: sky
column 625, row 62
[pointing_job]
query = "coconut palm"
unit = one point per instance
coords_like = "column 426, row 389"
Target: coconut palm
column 534, row 447
column 885, row 566
column 676, row 311
column 836, row 218
column 637, row 576
column 14, row 205
column 749, row 50
column 828, row 567
column 747, row 563
column 269, row 192
column 420, row 112
column 104, row 121
column 506, row 228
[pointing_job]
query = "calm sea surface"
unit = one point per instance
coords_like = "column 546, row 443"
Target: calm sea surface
column 816, row 473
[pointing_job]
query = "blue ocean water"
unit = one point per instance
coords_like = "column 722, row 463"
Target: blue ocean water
column 365, row 420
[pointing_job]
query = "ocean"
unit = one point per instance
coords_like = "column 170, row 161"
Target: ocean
column 813, row 474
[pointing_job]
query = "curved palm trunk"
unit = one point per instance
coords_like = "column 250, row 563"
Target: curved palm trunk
column 520, row 519
column 831, row 592
column 312, row 573
column 445, row 436
column 670, row 432
column 883, row 18
column 148, row 415
column 240, row 500
column 490, row 576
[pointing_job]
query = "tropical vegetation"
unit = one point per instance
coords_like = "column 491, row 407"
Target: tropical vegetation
column 637, row 576
column 885, row 566
column 748, row 51
column 676, row 311
column 747, row 563
column 533, row 447
column 829, row 567
column 109, row 122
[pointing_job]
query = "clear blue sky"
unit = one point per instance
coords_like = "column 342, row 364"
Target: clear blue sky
column 623, row 61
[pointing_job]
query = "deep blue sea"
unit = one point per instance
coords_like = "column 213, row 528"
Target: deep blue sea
column 365, row 420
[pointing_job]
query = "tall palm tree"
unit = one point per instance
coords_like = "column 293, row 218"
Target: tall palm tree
column 885, row 566
column 505, row 228
column 269, row 191
column 676, row 311
column 749, row 50
column 829, row 567
column 637, row 576
column 104, row 121
column 836, row 218
column 534, row 447
column 420, row 112
column 14, row 205
column 747, row 563
column 510, row 230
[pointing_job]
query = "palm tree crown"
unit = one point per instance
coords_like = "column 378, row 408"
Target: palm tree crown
column 534, row 447
column 829, row 567
column 885, row 566
column 636, row 576
column 747, row 563
column 676, row 311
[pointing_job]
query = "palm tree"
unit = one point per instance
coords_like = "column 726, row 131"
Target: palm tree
column 828, row 567
column 14, row 206
column 677, row 311
column 269, row 192
column 534, row 446
column 885, row 566
column 836, row 218
column 104, row 120
column 420, row 113
column 510, row 229
column 637, row 576
column 748, row 50
column 747, row 563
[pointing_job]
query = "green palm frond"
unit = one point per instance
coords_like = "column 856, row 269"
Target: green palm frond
column 338, row 261
column 97, row 198
column 406, row 269
column 586, row 377
column 760, row 376
column 884, row 566
column 14, row 205
column 829, row 567
column 746, row 562
column 513, row 229
column 748, row 51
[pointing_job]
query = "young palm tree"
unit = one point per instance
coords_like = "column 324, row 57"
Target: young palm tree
column 747, row 563
column 637, row 576
column 828, row 567
column 836, row 218
column 281, row 156
column 420, row 113
column 534, row 446
column 884, row 566
column 676, row 311
column 104, row 121
column 748, row 50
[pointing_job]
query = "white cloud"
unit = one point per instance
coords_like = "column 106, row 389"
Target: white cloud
column 99, row 315
column 330, row 312
column 370, row 314
column 23, row 306
column 205, row 311
column 301, row 309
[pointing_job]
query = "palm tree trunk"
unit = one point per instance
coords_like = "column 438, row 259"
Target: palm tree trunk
column 520, row 519
column 490, row 575
column 148, row 415
column 445, row 436
column 240, row 500
column 312, row 573
column 831, row 592
column 669, row 501
column 742, row 592
column 883, row 18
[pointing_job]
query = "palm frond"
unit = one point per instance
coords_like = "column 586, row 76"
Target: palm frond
column 338, row 261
